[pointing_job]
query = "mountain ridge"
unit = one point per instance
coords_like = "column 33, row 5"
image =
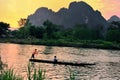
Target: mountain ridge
column 76, row 13
column 114, row 18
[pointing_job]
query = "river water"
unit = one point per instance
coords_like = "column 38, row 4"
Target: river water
column 107, row 61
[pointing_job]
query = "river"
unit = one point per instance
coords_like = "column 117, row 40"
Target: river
column 107, row 67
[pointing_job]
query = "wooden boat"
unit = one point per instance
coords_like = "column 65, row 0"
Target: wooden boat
column 61, row 62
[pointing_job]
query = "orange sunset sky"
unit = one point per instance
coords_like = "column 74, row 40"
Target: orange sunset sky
column 12, row 10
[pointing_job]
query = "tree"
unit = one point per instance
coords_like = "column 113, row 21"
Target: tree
column 82, row 32
column 23, row 32
column 32, row 30
column 40, row 32
column 113, row 35
column 50, row 29
column 68, row 33
column 3, row 29
column 22, row 22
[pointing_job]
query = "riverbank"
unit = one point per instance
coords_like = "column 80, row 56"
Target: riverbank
column 99, row 44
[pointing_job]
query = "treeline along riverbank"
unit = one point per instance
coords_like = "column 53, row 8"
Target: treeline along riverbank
column 99, row 44
column 54, row 35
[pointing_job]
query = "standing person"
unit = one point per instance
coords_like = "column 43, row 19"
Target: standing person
column 33, row 54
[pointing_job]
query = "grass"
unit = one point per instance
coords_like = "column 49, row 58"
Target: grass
column 37, row 74
column 72, row 75
column 32, row 74
column 9, row 74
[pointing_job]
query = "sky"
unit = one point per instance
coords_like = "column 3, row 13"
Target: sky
column 12, row 10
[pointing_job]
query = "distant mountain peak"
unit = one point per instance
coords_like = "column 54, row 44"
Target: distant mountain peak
column 114, row 18
column 80, row 5
column 62, row 10
column 43, row 9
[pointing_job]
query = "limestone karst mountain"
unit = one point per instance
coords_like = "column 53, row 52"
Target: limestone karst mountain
column 76, row 13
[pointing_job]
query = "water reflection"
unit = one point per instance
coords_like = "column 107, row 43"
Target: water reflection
column 48, row 50
column 108, row 67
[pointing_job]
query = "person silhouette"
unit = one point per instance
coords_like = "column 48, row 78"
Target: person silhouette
column 55, row 59
column 33, row 54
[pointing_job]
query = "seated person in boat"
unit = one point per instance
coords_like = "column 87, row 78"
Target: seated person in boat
column 55, row 59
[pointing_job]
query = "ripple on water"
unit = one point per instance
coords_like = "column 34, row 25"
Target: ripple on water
column 107, row 67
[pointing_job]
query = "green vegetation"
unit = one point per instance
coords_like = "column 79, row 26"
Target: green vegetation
column 32, row 74
column 4, row 29
column 72, row 74
column 54, row 35
column 36, row 75
column 9, row 75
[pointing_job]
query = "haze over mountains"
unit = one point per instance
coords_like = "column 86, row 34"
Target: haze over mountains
column 76, row 13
